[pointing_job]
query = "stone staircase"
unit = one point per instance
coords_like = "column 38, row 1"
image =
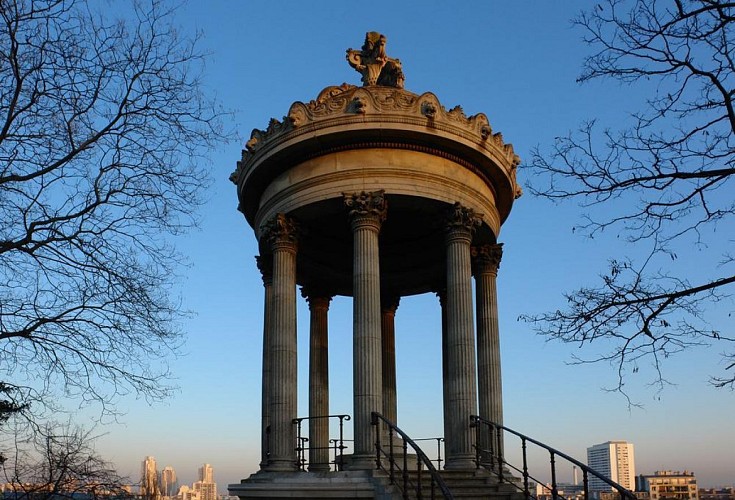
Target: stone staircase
column 467, row 485
column 345, row 484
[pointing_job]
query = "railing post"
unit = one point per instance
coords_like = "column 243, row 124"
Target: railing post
column 342, row 418
column 554, row 492
column 302, row 452
column 374, row 421
column 478, row 452
column 491, row 441
column 299, row 442
column 391, row 460
column 586, row 484
column 418, row 478
column 499, row 452
column 405, row 469
column 333, row 446
column 526, row 492
column 439, row 452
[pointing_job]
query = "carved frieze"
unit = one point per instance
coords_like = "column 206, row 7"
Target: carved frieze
column 392, row 104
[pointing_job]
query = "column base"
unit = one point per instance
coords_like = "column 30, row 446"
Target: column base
column 460, row 463
column 319, row 468
column 360, row 462
column 276, row 465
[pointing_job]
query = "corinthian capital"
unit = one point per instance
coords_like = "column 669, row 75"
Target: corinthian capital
column 463, row 219
column 281, row 229
column 486, row 258
column 317, row 298
column 364, row 204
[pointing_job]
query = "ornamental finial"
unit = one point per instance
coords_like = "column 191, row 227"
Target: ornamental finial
column 374, row 65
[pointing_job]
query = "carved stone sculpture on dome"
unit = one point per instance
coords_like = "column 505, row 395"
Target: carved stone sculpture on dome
column 374, row 65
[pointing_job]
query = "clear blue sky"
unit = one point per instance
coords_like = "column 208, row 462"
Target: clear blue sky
column 517, row 63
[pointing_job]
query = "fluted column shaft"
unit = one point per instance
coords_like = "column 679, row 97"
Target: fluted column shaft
column 367, row 212
column 460, row 339
column 318, row 380
column 388, row 310
column 445, row 363
column 281, row 234
column 486, row 262
column 265, row 265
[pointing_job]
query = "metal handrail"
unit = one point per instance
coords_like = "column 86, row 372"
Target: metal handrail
column 439, row 441
column 493, row 460
column 422, row 461
column 335, row 444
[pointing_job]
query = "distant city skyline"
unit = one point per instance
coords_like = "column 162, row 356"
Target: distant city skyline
column 155, row 484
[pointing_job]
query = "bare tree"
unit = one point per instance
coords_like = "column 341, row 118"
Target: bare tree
column 103, row 124
column 667, row 182
column 60, row 462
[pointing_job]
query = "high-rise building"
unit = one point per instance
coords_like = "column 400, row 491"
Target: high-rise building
column 668, row 485
column 206, row 491
column 149, row 487
column 206, row 474
column 169, row 484
column 206, row 488
column 614, row 459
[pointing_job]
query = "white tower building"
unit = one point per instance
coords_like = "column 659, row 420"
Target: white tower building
column 614, row 459
column 206, row 473
column 169, row 484
column 149, row 488
column 206, row 487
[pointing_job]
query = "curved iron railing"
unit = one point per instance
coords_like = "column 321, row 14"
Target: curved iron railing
column 407, row 483
column 336, row 445
column 439, row 441
column 492, row 458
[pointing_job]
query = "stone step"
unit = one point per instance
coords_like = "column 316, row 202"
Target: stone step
column 347, row 484
column 467, row 485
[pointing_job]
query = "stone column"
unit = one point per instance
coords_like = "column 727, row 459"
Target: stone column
column 265, row 265
column 486, row 262
column 367, row 211
column 442, row 294
column 318, row 380
column 461, row 224
column 389, row 304
column 281, row 233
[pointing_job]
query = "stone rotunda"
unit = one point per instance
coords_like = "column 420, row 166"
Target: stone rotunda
column 375, row 193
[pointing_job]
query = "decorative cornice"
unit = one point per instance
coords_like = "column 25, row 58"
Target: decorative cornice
column 345, row 103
